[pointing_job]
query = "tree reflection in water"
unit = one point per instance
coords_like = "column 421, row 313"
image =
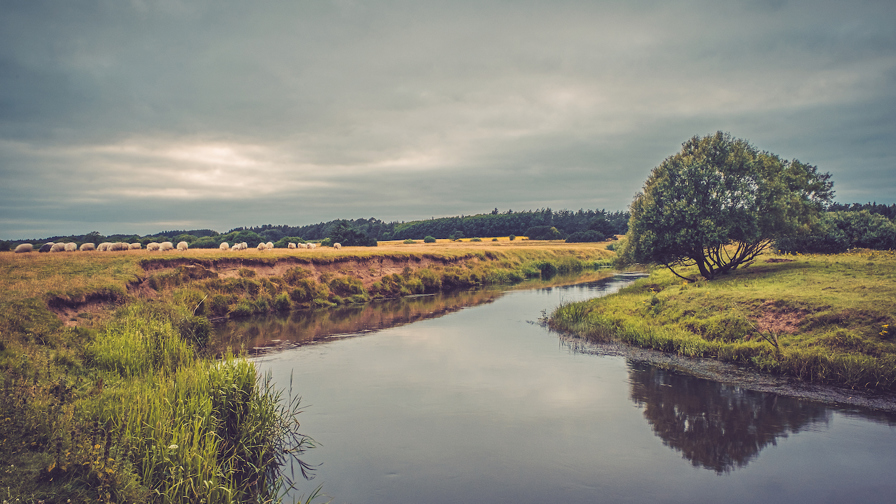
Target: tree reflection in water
column 716, row 426
column 256, row 334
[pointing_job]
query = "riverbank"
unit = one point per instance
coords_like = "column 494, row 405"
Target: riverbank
column 822, row 319
column 109, row 393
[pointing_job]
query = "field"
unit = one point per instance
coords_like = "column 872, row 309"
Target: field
column 110, row 394
column 820, row 318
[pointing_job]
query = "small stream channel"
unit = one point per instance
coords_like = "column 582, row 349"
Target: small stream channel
column 464, row 397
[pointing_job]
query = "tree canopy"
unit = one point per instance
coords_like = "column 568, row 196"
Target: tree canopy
column 719, row 203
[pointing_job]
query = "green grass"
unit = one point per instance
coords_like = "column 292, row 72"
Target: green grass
column 128, row 404
column 821, row 318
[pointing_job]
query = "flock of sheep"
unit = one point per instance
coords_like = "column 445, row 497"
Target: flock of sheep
column 164, row 246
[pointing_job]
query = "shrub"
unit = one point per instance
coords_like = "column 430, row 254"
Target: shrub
column 544, row 233
column 429, row 239
column 476, row 240
column 586, row 237
column 512, row 237
column 409, row 242
column 282, row 303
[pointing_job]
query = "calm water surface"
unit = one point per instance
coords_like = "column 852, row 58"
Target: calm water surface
column 473, row 401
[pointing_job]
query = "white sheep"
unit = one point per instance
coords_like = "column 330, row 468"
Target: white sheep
column 261, row 246
column 166, row 246
column 24, row 247
column 182, row 246
column 135, row 246
column 244, row 246
column 291, row 245
column 71, row 247
column 152, row 246
column 58, row 247
column 337, row 245
column 119, row 246
column 224, row 246
column 311, row 245
column 103, row 247
column 87, row 247
column 269, row 245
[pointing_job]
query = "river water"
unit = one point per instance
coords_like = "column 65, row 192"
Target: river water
column 447, row 399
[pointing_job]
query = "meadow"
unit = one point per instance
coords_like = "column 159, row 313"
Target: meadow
column 820, row 318
column 109, row 392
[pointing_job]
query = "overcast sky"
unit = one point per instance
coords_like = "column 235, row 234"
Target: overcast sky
column 140, row 116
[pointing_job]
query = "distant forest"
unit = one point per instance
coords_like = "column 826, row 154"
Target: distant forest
column 495, row 223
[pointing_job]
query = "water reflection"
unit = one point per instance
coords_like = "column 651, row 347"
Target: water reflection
column 714, row 425
column 259, row 334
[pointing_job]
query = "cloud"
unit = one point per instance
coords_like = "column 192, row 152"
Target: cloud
column 406, row 109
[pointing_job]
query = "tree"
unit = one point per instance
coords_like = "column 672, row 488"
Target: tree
column 719, row 203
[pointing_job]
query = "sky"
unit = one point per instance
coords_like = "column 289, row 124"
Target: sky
column 127, row 116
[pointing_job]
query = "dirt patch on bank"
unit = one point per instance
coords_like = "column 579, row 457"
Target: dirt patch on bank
column 368, row 270
column 779, row 320
column 76, row 310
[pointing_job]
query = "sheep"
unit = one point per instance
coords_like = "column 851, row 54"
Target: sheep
column 244, row 246
column 183, row 246
column 24, row 247
column 103, row 247
column 71, row 247
column 269, row 245
column 58, row 247
column 152, row 246
column 224, row 246
column 135, row 246
column 87, row 247
column 119, row 246
column 166, row 246
column 45, row 247
column 262, row 246
column 311, row 245
column 337, row 245
column 291, row 245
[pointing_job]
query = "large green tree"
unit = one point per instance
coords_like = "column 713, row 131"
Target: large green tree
column 719, row 202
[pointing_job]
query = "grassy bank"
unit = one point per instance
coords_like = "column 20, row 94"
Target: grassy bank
column 821, row 318
column 109, row 394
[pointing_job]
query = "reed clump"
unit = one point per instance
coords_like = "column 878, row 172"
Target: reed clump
column 820, row 318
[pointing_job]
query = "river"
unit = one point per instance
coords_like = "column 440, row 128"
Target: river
column 465, row 397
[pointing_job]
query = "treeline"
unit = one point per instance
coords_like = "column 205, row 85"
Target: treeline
column 509, row 223
column 365, row 232
column 888, row 211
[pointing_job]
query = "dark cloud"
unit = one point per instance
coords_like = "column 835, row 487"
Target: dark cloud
column 135, row 115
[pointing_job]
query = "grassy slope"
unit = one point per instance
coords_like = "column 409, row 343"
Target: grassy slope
column 92, row 412
column 821, row 318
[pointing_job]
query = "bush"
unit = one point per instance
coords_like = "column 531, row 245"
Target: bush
column 544, row 233
column 429, row 239
column 409, row 242
column 512, row 237
column 586, row 237
column 838, row 232
column 282, row 303
column 476, row 240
